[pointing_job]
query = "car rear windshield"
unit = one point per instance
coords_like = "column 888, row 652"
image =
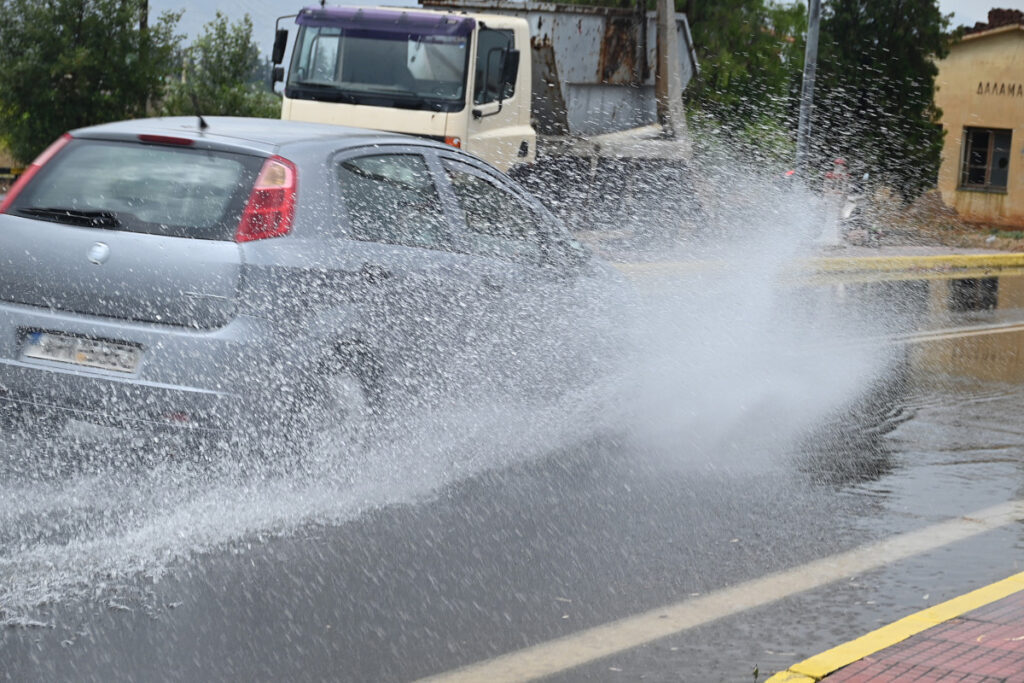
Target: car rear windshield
column 177, row 191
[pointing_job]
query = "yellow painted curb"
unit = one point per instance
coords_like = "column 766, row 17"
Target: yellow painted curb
column 917, row 263
column 855, row 268
column 817, row 667
column 790, row 677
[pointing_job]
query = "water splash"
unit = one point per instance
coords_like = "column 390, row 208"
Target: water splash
column 726, row 360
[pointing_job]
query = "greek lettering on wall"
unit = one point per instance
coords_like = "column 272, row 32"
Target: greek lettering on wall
column 1004, row 89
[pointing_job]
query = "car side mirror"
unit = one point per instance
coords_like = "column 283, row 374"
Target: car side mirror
column 276, row 75
column 280, row 43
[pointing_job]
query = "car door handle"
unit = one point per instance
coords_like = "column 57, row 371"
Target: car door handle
column 373, row 273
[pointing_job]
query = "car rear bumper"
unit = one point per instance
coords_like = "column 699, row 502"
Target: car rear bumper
column 105, row 400
column 199, row 379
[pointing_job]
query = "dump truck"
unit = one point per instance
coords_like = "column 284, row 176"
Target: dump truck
column 581, row 103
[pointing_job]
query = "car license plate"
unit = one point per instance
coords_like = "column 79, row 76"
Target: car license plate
column 92, row 353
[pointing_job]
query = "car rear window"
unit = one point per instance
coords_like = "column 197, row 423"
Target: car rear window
column 168, row 190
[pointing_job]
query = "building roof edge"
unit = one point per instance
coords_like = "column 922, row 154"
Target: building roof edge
column 1008, row 28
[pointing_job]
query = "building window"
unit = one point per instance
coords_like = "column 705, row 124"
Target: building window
column 986, row 161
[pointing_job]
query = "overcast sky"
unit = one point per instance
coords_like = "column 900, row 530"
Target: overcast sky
column 969, row 12
column 264, row 12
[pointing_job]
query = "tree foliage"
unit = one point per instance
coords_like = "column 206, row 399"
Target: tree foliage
column 874, row 99
column 224, row 70
column 874, row 94
column 751, row 56
column 70, row 63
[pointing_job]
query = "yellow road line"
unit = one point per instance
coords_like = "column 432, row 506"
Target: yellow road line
column 817, row 667
column 583, row 647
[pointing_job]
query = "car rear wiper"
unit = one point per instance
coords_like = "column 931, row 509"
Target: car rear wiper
column 91, row 219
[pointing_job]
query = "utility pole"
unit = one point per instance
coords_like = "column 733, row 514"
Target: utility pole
column 144, row 48
column 668, row 83
column 803, row 134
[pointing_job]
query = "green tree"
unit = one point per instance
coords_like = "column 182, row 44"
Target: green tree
column 224, row 71
column 70, row 63
column 751, row 56
column 874, row 98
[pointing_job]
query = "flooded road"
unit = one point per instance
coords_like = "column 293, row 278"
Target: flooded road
column 491, row 528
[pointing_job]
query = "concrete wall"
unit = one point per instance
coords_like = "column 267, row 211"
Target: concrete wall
column 981, row 84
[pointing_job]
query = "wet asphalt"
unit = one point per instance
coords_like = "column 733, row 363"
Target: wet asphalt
column 523, row 553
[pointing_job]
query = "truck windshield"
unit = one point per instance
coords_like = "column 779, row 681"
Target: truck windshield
column 376, row 62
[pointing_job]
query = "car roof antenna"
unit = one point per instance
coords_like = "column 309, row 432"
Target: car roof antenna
column 203, row 125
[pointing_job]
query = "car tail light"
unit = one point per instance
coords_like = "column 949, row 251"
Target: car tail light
column 271, row 205
column 32, row 169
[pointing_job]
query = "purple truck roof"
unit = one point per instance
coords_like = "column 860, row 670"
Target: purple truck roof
column 390, row 20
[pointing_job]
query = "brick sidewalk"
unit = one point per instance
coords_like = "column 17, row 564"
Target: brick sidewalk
column 975, row 638
column 983, row 646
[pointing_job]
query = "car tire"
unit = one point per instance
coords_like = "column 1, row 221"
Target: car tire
column 336, row 415
column 327, row 409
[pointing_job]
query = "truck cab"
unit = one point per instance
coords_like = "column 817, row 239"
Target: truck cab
column 452, row 77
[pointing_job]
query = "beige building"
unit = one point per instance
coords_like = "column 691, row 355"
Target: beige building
column 980, row 89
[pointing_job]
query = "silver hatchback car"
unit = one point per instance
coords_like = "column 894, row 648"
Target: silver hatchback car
column 228, row 273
